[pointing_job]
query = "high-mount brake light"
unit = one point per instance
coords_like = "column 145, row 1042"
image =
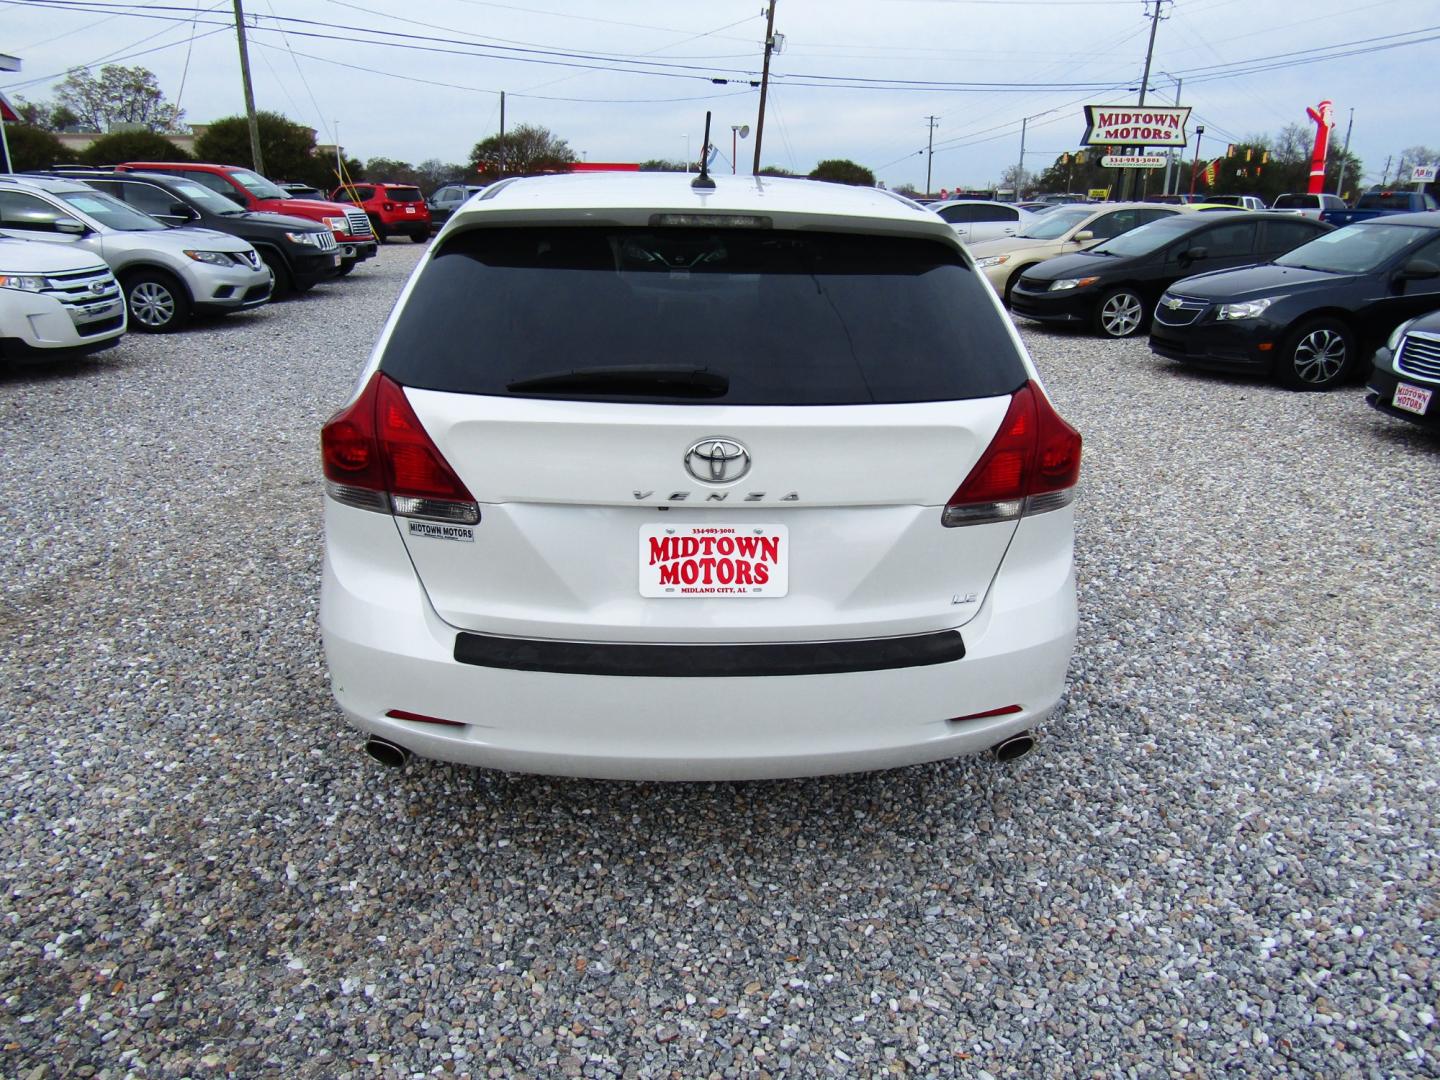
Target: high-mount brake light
column 378, row 456
column 713, row 221
column 1031, row 466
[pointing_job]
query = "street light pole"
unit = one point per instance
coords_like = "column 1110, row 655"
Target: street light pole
column 1195, row 165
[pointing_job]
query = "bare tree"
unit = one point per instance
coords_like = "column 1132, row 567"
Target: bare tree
column 121, row 95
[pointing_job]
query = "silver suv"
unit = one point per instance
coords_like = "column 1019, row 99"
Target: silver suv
column 166, row 274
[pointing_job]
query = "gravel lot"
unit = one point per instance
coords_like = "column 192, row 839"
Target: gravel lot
column 1222, row 858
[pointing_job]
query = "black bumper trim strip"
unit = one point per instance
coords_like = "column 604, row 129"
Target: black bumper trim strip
column 708, row 661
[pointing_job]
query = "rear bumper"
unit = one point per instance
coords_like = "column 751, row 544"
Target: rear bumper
column 387, row 649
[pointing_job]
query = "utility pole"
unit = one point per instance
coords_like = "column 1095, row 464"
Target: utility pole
column 1385, row 176
column 1126, row 183
column 764, row 85
column 255, row 155
column 502, row 136
column 932, row 121
column 1020, row 171
column 1345, row 154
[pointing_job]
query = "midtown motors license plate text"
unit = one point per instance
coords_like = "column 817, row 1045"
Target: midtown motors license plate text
column 678, row 561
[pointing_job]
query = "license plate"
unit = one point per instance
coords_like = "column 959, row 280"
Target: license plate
column 409, row 209
column 722, row 561
column 335, row 259
column 1414, row 399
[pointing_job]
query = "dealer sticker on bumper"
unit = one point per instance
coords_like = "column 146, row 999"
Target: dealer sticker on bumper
column 728, row 561
column 1414, row 399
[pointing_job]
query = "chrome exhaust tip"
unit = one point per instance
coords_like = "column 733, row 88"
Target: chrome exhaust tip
column 1014, row 748
column 386, row 752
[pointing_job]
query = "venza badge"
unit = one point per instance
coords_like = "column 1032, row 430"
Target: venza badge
column 717, row 461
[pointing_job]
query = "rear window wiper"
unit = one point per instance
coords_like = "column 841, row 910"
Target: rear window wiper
column 628, row 379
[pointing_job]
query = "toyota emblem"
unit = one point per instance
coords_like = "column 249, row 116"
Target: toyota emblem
column 717, row 461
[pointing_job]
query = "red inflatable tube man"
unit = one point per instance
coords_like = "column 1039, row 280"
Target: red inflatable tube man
column 1321, row 114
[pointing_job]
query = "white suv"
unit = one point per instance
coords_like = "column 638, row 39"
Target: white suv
column 56, row 303
column 647, row 480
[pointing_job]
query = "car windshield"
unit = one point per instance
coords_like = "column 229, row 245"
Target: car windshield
column 1355, row 249
column 1056, row 223
column 1148, row 238
column 204, row 198
column 676, row 315
column 111, row 213
column 256, row 184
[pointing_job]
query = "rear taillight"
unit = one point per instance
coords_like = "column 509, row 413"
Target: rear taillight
column 1031, row 466
column 378, row 456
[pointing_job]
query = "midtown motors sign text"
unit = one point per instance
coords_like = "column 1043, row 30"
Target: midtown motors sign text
column 1108, row 125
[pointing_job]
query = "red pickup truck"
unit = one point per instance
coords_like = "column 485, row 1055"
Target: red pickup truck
column 251, row 191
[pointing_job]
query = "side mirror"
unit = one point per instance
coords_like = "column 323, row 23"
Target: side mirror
column 1419, row 270
column 1193, row 254
column 1083, row 236
column 70, row 226
column 236, row 198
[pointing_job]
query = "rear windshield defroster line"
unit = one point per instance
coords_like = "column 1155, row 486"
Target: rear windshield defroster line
column 776, row 317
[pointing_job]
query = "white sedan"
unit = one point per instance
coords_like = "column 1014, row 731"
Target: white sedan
column 979, row 219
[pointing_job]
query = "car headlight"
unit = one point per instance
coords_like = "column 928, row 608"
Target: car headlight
column 1072, row 283
column 1393, row 341
column 311, row 238
column 991, row 260
column 337, row 224
column 213, row 258
column 1249, row 309
column 23, row 282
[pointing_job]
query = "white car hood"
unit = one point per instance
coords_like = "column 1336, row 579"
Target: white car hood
column 27, row 257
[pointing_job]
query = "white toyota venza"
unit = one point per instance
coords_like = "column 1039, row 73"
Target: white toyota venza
column 647, row 479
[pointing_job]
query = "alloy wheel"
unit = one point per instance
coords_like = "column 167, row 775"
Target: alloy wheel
column 1319, row 356
column 1121, row 314
column 152, row 304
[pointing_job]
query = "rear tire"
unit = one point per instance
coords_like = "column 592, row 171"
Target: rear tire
column 1318, row 355
column 155, row 301
column 1120, row 313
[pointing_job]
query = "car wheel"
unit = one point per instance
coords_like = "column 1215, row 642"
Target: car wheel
column 157, row 303
column 1010, row 287
column 1120, row 314
column 1317, row 356
column 378, row 227
column 419, row 237
column 284, row 280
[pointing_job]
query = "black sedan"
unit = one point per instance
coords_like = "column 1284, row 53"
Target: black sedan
column 1405, row 379
column 1113, row 287
column 299, row 252
column 1316, row 314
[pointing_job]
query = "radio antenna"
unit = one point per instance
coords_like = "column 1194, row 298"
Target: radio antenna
column 703, row 181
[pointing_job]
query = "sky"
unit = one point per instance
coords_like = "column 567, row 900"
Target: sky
column 856, row 80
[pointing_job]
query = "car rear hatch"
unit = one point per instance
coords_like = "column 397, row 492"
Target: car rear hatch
column 699, row 434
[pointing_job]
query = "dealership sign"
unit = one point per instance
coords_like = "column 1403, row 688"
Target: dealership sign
column 1112, row 125
column 1422, row 174
column 1133, row 161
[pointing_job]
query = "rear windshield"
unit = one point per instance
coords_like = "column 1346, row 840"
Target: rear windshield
column 768, row 317
column 1296, row 202
column 1389, row 200
column 404, row 194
